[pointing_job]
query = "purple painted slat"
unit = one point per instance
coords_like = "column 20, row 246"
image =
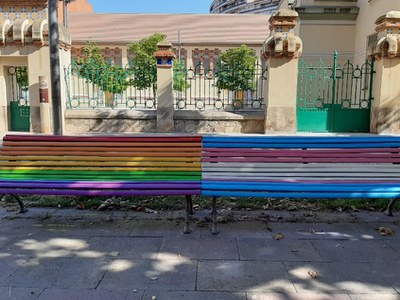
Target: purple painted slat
column 98, row 185
column 101, row 192
column 101, row 182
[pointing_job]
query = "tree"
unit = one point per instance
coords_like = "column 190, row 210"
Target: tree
column 180, row 77
column 110, row 78
column 145, row 64
column 236, row 69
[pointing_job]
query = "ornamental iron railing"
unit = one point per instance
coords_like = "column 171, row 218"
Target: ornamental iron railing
column 334, row 97
column 221, row 88
column 110, row 87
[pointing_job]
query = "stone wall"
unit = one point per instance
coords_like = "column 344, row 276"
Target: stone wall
column 121, row 121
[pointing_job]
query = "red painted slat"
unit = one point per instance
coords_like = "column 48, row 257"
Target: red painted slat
column 50, row 138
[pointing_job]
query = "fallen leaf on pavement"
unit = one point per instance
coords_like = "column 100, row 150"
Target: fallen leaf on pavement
column 384, row 231
column 313, row 274
column 278, row 236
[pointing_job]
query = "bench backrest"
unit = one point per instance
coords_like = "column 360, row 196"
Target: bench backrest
column 107, row 158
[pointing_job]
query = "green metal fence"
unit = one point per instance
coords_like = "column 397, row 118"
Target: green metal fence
column 109, row 87
column 333, row 97
column 199, row 88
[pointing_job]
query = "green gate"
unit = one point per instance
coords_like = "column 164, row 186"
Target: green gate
column 19, row 104
column 334, row 98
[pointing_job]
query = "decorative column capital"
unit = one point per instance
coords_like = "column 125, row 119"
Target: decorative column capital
column 388, row 36
column 164, row 55
column 282, row 41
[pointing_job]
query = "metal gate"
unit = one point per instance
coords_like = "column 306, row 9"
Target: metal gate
column 19, row 104
column 334, row 98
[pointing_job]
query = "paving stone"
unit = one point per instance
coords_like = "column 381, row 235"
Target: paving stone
column 337, row 278
column 65, row 273
column 12, row 293
column 6, row 239
column 211, row 247
column 243, row 276
column 40, row 247
column 243, row 230
column 51, row 294
column 271, row 249
column 355, row 251
column 317, row 231
column 390, row 270
column 161, row 228
column 8, row 265
column 394, row 227
column 167, row 272
column 191, row 295
column 395, row 244
column 300, row 296
column 127, row 247
column 367, row 216
column 374, row 297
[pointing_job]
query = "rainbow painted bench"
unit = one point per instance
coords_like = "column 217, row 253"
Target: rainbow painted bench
column 101, row 166
column 300, row 167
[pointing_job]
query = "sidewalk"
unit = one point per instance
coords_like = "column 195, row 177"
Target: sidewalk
column 51, row 254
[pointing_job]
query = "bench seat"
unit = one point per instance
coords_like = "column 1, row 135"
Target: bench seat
column 100, row 165
column 301, row 167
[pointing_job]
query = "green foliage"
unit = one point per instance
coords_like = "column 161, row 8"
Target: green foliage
column 22, row 77
column 236, row 69
column 110, row 78
column 145, row 65
column 180, row 79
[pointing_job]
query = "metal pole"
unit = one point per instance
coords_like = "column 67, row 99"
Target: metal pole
column 55, row 66
column 65, row 13
column 179, row 46
column 334, row 75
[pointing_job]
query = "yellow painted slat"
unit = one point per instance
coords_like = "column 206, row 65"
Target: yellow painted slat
column 98, row 164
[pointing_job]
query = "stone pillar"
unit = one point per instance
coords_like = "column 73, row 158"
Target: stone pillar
column 282, row 50
column 385, row 111
column 165, row 101
column 45, row 120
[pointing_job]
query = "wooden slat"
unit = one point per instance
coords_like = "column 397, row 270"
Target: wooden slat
column 102, row 152
column 85, row 159
column 115, row 145
column 100, row 139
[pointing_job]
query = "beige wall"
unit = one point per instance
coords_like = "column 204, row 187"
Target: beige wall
column 321, row 39
column 370, row 10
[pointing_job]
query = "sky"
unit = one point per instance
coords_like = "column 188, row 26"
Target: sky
column 151, row 6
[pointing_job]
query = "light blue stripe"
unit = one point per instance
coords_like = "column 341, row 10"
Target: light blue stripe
column 299, row 195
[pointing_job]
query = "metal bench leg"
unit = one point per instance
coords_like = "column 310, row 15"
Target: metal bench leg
column 17, row 198
column 214, row 228
column 189, row 207
column 190, row 201
column 389, row 210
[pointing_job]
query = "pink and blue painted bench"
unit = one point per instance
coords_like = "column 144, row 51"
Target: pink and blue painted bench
column 301, row 167
column 101, row 166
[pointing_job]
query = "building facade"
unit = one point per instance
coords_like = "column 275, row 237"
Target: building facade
column 244, row 6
